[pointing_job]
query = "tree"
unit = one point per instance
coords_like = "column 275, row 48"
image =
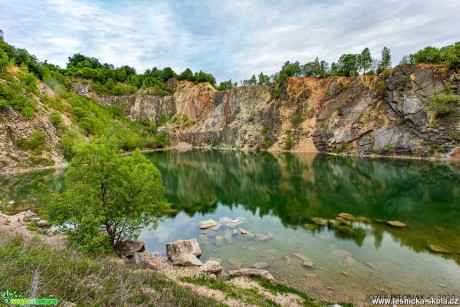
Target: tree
column 348, row 65
column 122, row 194
column 365, row 60
column 225, row 85
column 385, row 62
column 263, row 79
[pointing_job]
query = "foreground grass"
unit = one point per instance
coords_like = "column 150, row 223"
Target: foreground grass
column 253, row 296
column 34, row 269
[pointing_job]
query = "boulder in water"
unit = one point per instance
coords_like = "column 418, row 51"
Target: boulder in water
column 347, row 216
column 208, row 224
column 396, row 224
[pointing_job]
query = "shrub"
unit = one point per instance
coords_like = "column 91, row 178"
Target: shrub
column 380, row 89
column 289, row 143
column 296, row 119
column 35, row 144
column 443, row 104
column 56, row 121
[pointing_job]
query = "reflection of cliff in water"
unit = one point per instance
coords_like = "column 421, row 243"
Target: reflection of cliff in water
column 422, row 194
column 24, row 188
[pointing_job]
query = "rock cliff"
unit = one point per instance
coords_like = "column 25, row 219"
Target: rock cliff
column 389, row 114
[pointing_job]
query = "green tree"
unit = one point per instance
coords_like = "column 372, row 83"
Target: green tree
column 365, row 60
column 348, row 65
column 263, row 79
column 385, row 62
column 120, row 194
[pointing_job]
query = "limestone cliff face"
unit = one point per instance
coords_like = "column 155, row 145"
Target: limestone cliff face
column 384, row 115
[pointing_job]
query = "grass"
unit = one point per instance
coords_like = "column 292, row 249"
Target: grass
column 70, row 276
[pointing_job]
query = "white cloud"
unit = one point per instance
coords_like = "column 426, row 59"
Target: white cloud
column 229, row 39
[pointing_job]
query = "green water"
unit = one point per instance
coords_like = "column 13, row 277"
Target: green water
column 277, row 195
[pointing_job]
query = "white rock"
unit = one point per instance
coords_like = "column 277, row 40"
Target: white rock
column 187, row 260
column 211, row 267
column 208, row 224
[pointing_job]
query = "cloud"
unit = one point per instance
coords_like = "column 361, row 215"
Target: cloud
column 230, row 39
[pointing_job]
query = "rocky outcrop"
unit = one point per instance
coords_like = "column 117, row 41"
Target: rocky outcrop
column 363, row 115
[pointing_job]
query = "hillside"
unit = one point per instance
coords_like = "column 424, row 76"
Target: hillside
column 411, row 110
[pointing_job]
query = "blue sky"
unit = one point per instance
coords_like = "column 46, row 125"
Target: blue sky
column 230, row 39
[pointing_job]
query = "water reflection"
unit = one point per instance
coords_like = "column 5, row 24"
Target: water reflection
column 423, row 194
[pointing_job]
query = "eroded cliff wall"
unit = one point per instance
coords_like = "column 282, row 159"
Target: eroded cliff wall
column 387, row 114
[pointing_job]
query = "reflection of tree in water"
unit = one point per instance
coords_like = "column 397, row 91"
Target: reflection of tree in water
column 294, row 188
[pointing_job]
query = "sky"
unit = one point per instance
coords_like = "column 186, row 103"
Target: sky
column 229, row 39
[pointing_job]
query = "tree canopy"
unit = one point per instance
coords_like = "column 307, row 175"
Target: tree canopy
column 121, row 194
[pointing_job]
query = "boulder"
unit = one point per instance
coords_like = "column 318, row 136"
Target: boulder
column 42, row 223
column 228, row 235
column 11, row 113
column 11, row 203
column 143, row 257
column 128, row 247
column 347, row 216
column 252, row 272
column 187, row 260
column 208, row 224
column 26, row 215
column 308, row 264
column 180, row 247
column 319, row 221
column 211, row 267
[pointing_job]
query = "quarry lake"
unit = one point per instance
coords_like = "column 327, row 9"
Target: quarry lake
column 285, row 199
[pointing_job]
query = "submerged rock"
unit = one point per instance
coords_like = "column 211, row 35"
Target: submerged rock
column 439, row 249
column 235, row 223
column 180, row 247
column 225, row 220
column 260, row 265
column 129, row 247
column 351, row 262
column 308, row 264
column 208, row 224
column 319, row 221
column 246, row 234
column 347, row 216
column 339, row 220
column 187, row 260
column 397, row 224
column 220, row 240
column 252, row 272
column 262, row 238
column 310, row 226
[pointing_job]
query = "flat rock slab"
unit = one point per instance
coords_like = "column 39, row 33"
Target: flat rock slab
column 180, row 247
column 347, row 216
column 208, row 224
column 397, row 224
column 187, row 260
column 252, row 272
column 261, row 265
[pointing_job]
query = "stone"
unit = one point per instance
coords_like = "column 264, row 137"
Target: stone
column 11, row 113
column 260, row 265
column 252, row 272
column 351, row 262
column 228, row 235
column 179, row 247
column 154, row 263
column 129, row 247
column 218, row 260
column 11, row 203
column 308, row 264
column 203, row 239
column 42, row 223
column 225, row 220
column 246, row 234
column 142, row 257
column 212, row 276
column 235, row 223
column 340, row 220
column 287, row 260
column 396, row 224
column 211, row 267
column 262, row 238
column 187, row 260
column 215, row 228
column 26, row 215
column 363, row 219
column 439, row 249
column 235, row 263
column 220, row 240
column 208, row 224
column 345, row 274
column 347, row 216
column 310, row 226
column 319, row 221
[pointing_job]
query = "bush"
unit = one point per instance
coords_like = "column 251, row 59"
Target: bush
column 122, row 193
column 56, row 121
column 289, row 143
column 443, row 104
column 35, row 144
column 296, row 119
